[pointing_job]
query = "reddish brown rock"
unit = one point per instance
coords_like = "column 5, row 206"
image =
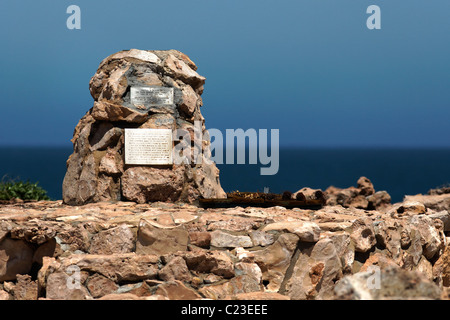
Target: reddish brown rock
column 237, row 285
column 57, row 288
column 437, row 202
column 316, row 270
column 159, row 241
column 105, row 111
column 216, row 262
column 389, row 235
column 363, row 196
column 4, row 295
column 112, row 241
column 5, row 229
column 380, row 200
column 121, row 296
column 33, row 232
column 308, row 194
column 249, row 296
column 142, row 289
column 365, row 186
column 190, row 101
column 176, row 290
column 379, row 260
column 178, row 69
column 408, row 208
column 71, row 238
column 363, row 235
column 431, row 238
column 111, row 164
column 441, row 269
column 125, row 267
column 250, row 269
column 142, row 184
column 392, row 283
column 200, row 239
column 16, row 257
column 175, row 269
column 47, row 249
column 100, row 286
column 25, row 288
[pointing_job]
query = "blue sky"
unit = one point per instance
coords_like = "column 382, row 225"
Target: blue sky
column 309, row 68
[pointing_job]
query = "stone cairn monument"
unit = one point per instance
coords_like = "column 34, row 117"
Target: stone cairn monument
column 123, row 144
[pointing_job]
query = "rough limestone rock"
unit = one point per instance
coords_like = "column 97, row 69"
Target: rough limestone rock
column 306, row 231
column 16, row 257
column 434, row 201
column 316, row 270
column 363, row 235
column 154, row 240
column 441, row 269
column 163, row 251
column 363, row 196
column 225, row 240
column 275, row 260
column 4, row 295
column 393, row 283
column 175, row 269
column 115, row 240
column 96, row 170
column 25, row 288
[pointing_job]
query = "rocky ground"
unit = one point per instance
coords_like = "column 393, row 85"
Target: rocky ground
column 358, row 246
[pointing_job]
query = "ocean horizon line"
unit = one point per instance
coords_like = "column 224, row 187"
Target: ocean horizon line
column 281, row 147
column 398, row 171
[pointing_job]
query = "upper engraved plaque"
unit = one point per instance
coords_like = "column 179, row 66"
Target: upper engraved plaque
column 151, row 96
column 148, row 146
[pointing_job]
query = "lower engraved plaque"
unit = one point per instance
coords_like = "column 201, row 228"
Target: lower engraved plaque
column 148, row 146
column 151, row 96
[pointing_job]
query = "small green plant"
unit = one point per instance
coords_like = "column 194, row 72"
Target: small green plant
column 22, row 190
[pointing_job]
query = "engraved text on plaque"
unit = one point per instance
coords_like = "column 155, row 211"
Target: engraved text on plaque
column 151, row 96
column 148, row 146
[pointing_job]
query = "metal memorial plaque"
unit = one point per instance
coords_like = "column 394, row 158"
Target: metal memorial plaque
column 148, row 146
column 151, row 96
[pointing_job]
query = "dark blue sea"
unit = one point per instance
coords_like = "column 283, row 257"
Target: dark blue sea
column 398, row 171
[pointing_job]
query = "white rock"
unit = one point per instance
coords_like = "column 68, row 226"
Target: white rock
column 137, row 54
column 225, row 240
column 305, row 230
